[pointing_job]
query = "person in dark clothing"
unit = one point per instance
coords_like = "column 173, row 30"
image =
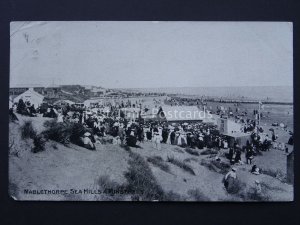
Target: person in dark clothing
column 131, row 139
column 249, row 155
column 128, row 131
column 165, row 135
column 266, row 145
column 32, row 110
column 188, row 139
column 238, row 153
column 235, row 145
column 291, row 140
column 255, row 170
column 172, row 137
column 115, row 131
column 200, row 142
column 52, row 114
column 149, row 135
column 193, row 141
column 273, row 137
column 230, row 154
column 140, row 134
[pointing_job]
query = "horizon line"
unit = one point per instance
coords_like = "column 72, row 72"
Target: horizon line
column 39, row 85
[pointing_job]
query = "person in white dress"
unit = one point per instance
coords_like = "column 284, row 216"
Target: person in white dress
column 156, row 140
column 60, row 118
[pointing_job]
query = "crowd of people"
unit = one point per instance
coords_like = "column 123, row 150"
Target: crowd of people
column 120, row 130
column 134, row 131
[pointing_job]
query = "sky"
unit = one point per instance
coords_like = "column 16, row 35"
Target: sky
column 151, row 54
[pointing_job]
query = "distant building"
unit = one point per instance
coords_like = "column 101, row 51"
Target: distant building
column 64, row 102
column 15, row 91
column 30, row 96
column 97, row 91
column 51, row 92
column 46, row 91
column 93, row 103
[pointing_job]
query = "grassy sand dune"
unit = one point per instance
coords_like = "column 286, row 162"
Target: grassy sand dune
column 112, row 166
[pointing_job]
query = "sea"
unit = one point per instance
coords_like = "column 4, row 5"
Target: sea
column 263, row 93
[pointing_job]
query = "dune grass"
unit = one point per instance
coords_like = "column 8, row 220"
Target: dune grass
column 159, row 162
column 274, row 173
column 111, row 190
column 141, row 181
column 190, row 160
column 181, row 165
column 192, row 151
column 213, row 165
column 209, row 152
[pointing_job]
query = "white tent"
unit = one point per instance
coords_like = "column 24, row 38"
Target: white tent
column 227, row 126
column 30, row 96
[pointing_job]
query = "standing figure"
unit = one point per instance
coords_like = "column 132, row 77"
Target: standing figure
column 157, row 140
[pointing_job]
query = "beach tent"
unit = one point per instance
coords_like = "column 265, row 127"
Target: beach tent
column 30, row 96
column 227, row 126
column 239, row 137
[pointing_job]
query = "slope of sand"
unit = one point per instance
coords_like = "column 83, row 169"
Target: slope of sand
column 73, row 167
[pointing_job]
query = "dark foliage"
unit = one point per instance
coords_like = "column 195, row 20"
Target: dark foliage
column 39, row 143
column 27, row 130
column 64, row 133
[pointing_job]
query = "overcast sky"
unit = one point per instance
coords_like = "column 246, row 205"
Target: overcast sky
column 152, row 54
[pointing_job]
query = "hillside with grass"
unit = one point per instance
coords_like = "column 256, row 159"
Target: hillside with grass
column 119, row 172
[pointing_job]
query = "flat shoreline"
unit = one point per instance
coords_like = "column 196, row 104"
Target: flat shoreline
column 218, row 100
column 252, row 102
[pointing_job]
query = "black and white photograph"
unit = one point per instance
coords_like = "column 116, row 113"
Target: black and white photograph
column 172, row 111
